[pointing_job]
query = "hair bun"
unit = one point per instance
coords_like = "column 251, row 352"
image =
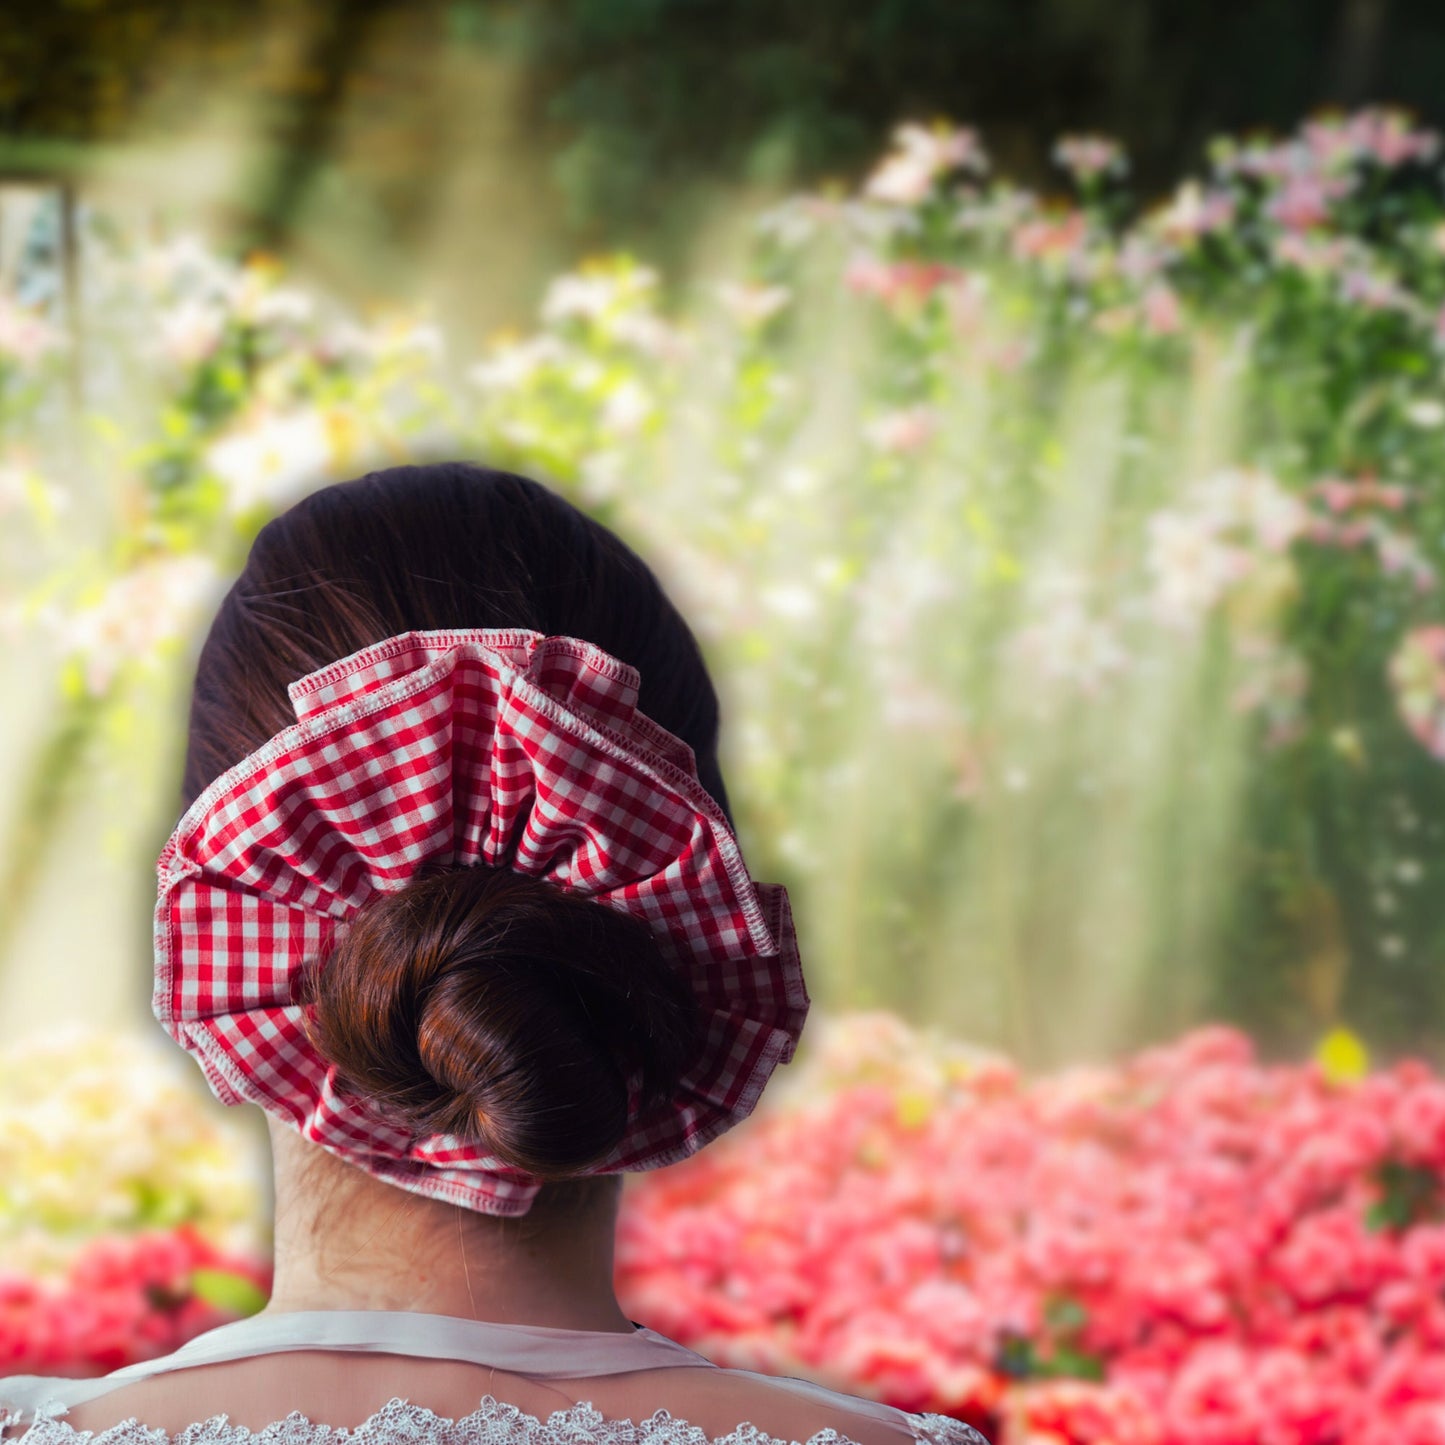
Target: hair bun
column 496, row 1007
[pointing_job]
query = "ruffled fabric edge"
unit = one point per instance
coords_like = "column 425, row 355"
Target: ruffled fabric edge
column 564, row 673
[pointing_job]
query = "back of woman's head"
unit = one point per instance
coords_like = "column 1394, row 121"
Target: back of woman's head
column 475, row 1002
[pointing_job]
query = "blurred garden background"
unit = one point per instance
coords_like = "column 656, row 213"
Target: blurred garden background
column 1039, row 409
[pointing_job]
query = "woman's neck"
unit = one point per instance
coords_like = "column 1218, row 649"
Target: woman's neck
column 347, row 1241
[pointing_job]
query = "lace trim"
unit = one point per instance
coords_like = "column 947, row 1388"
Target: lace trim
column 494, row 1423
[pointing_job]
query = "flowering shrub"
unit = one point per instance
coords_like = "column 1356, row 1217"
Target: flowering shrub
column 129, row 1218
column 1188, row 1246
column 1070, row 564
column 124, row 1299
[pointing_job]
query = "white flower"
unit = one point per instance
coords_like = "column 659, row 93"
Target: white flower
column 586, row 373
column 1071, row 647
column 346, row 341
column 601, row 476
column 416, row 336
column 278, row 306
column 1426, row 413
column 1193, row 213
column 877, row 225
column 909, row 704
column 793, row 222
column 1240, row 498
column 902, row 180
column 592, row 295
column 793, row 601
column 752, row 304
column 797, row 480
column 921, row 155
column 14, row 487
column 904, row 430
column 191, row 330
column 523, row 434
column 92, row 1126
column 650, row 335
column 187, row 263
column 627, row 407
column 140, row 610
column 26, row 335
column 1191, row 567
column 513, row 365
column 266, row 462
column 1087, row 157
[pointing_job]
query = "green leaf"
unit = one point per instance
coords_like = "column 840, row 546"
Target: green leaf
column 1409, row 1195
column 233, row 1293
column 1072, row 1364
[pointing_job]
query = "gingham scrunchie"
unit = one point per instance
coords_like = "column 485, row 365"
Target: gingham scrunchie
column 503, row 748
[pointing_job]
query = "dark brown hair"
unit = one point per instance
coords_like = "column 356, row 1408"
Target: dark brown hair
column 476, row 1002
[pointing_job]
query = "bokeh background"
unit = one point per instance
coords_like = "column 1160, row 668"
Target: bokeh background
column 1039, row 408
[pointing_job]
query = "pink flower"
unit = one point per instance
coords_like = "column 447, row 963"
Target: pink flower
column 897, row 280
column 1374, row 292
column 1311, row 253
column 26, row 336
column 1303, row 202
column 1087, row 157
column 1387, row 136
column 1417, row 675
column 921, row 155
column 1051, row 239
column 1418, row 1121
column 1161, row 310
column 1195, row 212
column 965, row 297
column 1190, row 1220
column 1331, row 1257
column 905, row 430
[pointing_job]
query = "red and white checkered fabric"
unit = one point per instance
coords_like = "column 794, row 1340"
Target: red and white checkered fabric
column 504, row 748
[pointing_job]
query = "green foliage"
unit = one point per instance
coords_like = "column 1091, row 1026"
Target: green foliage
column 1072, row 576
column 1409, row 1195
column 233, row 1293
column 647, row 110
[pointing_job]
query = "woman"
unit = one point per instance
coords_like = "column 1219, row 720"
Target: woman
column 456, row 900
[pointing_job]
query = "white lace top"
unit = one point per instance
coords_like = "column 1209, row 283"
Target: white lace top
column 37, row 1403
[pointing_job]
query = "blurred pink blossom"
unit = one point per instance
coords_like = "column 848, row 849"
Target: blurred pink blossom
column 24, row 334
column 752, row 304
column 1195, row 212
column 1375, row 291
column 869, row 275
column 1388, row 136
column 1303, row 201
column 1161, row 310
column 1087, row 157
column 904, row 430
column 920, row 156
column 1052, row 238
column 1417, row 676
column 1192, row 1222
column 191, row 330
column 1311, row 253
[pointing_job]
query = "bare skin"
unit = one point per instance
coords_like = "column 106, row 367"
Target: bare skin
column 345, row 1240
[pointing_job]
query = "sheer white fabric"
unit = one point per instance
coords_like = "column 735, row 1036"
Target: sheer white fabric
column 253, row 1365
